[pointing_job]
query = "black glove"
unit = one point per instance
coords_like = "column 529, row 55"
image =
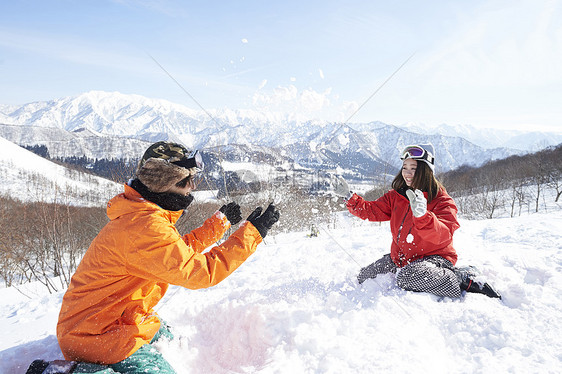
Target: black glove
column 232, row 212
column 263, row 222
column 366, row 273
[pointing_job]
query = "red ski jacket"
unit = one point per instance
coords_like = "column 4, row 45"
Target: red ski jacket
column 412, row 237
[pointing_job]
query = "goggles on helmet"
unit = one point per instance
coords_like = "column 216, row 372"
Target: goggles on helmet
column 194, row 160
column 417, row 153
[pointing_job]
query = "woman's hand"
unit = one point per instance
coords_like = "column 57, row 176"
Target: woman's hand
column 418, row 202
column 341, row 187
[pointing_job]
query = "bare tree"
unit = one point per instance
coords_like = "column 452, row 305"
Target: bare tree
column 43, row 242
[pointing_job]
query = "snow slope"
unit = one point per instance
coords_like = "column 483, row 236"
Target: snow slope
column 295, row 307
column 28, row 177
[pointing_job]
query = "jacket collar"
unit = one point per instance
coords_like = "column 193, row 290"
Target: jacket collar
column 132, row 202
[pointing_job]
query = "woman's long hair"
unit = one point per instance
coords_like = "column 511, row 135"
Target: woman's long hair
column 424, row 180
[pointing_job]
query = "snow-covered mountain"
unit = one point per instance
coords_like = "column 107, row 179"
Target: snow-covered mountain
column 530, row 141
column 105, row 125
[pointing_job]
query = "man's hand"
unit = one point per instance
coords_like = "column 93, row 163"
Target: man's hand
column 232, row 212
column 263, row 222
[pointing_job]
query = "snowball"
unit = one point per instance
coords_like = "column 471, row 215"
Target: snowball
column 410, row 238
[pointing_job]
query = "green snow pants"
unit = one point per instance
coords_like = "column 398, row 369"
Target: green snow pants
column 146, row 360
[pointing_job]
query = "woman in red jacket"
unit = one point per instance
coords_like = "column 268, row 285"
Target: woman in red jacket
column 423, row 218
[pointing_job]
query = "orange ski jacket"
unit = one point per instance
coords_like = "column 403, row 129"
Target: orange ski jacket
column 107, row 311
column 412, row 237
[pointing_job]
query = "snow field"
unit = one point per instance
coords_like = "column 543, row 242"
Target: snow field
column 295, row 307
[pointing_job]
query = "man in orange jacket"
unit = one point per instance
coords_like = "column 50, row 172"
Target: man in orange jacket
column 107, row 315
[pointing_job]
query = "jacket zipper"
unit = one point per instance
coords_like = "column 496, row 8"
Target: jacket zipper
column 401, row 225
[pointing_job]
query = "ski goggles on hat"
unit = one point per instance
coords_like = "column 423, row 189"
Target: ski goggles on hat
column 194, row 160
column 417, row 153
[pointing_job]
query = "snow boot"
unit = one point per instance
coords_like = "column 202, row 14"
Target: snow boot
column 470, row 286
column 51, row 367
column 466, row 276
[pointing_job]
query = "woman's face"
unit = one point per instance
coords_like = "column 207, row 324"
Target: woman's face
column 409, row 170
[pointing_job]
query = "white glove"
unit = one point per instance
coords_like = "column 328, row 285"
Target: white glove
column 340, row 187
column 418, row 202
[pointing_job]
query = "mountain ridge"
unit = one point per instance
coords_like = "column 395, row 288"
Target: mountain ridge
column 121, row 126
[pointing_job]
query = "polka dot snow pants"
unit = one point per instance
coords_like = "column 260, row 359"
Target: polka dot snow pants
column 432, row 274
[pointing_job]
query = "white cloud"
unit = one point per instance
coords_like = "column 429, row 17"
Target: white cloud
column 72, row 49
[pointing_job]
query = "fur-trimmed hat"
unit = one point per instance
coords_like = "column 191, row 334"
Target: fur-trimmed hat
column 158, row 170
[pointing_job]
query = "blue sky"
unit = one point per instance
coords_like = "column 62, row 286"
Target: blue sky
column 494, row 63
